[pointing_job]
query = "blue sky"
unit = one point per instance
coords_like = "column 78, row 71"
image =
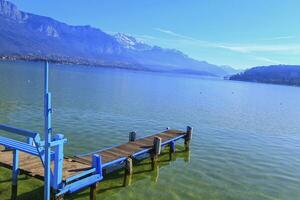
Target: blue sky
column 239, row 33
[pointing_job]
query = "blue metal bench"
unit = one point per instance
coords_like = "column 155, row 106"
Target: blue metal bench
column 34, row 146
column 49, row 151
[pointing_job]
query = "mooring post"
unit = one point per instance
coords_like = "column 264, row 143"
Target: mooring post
column 156, row 150
column 132, row 136
column 47, row 131
column 188, row 137
column 15, row 173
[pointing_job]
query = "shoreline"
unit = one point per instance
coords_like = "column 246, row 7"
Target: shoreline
column 81, row 62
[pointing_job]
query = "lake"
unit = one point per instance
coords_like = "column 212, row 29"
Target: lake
column 246, row 140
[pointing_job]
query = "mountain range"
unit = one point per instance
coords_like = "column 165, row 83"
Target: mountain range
column 32, row 37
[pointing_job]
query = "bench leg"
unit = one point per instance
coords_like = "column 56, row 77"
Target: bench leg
column 15, row 173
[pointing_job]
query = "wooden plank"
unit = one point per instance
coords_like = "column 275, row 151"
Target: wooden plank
column 111, row 153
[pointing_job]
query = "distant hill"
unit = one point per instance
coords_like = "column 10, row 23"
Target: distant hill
column 33, row 37
column 275, row 74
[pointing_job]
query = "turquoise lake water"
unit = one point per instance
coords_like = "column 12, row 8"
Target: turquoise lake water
column 246, row 140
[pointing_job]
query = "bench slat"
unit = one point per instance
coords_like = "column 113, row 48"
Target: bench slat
column 22, row 146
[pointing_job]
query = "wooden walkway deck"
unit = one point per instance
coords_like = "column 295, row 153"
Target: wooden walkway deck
column 32, row 165
column 131, row 149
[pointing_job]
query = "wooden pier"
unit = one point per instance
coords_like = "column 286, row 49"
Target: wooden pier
column 74, row 166
column 32, row 165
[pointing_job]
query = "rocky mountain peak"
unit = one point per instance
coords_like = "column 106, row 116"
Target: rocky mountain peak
column 10, row 11
column 130, row 42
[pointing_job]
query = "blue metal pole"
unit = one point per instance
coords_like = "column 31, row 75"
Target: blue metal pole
column 15, row 170
column 47, row 113
column 15, row 173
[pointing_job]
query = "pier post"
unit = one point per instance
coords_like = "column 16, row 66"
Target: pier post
column 132, row 136
column 128, row 167
column 172, row 147
column 128, row 172
column 188, row 137
column 156, row 150
column 93, row 191
column 127, row 180
column 187, row 156
column 171, row 150
column 15, row 173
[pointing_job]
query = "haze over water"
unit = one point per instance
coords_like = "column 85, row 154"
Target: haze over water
column 246, row 140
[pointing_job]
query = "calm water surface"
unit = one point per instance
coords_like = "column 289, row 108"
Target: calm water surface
column 246, row 141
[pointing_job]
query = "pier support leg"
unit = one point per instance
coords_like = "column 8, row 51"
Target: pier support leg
column 188, row 137
column 172, row 147
column 156, row 150
column 15, row 173
column 128, row 167
column 187, row 156
column 127, row 180
column 128, row 172
column 172, row 150
column 93, row 191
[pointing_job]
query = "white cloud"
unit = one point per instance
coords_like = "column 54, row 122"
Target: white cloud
column 247, row 48
column 146, row 37
column 169, row 32
column 280, row 37
column 252, row 50
column 241, row 48
column 264, row 59
column 172, row 33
